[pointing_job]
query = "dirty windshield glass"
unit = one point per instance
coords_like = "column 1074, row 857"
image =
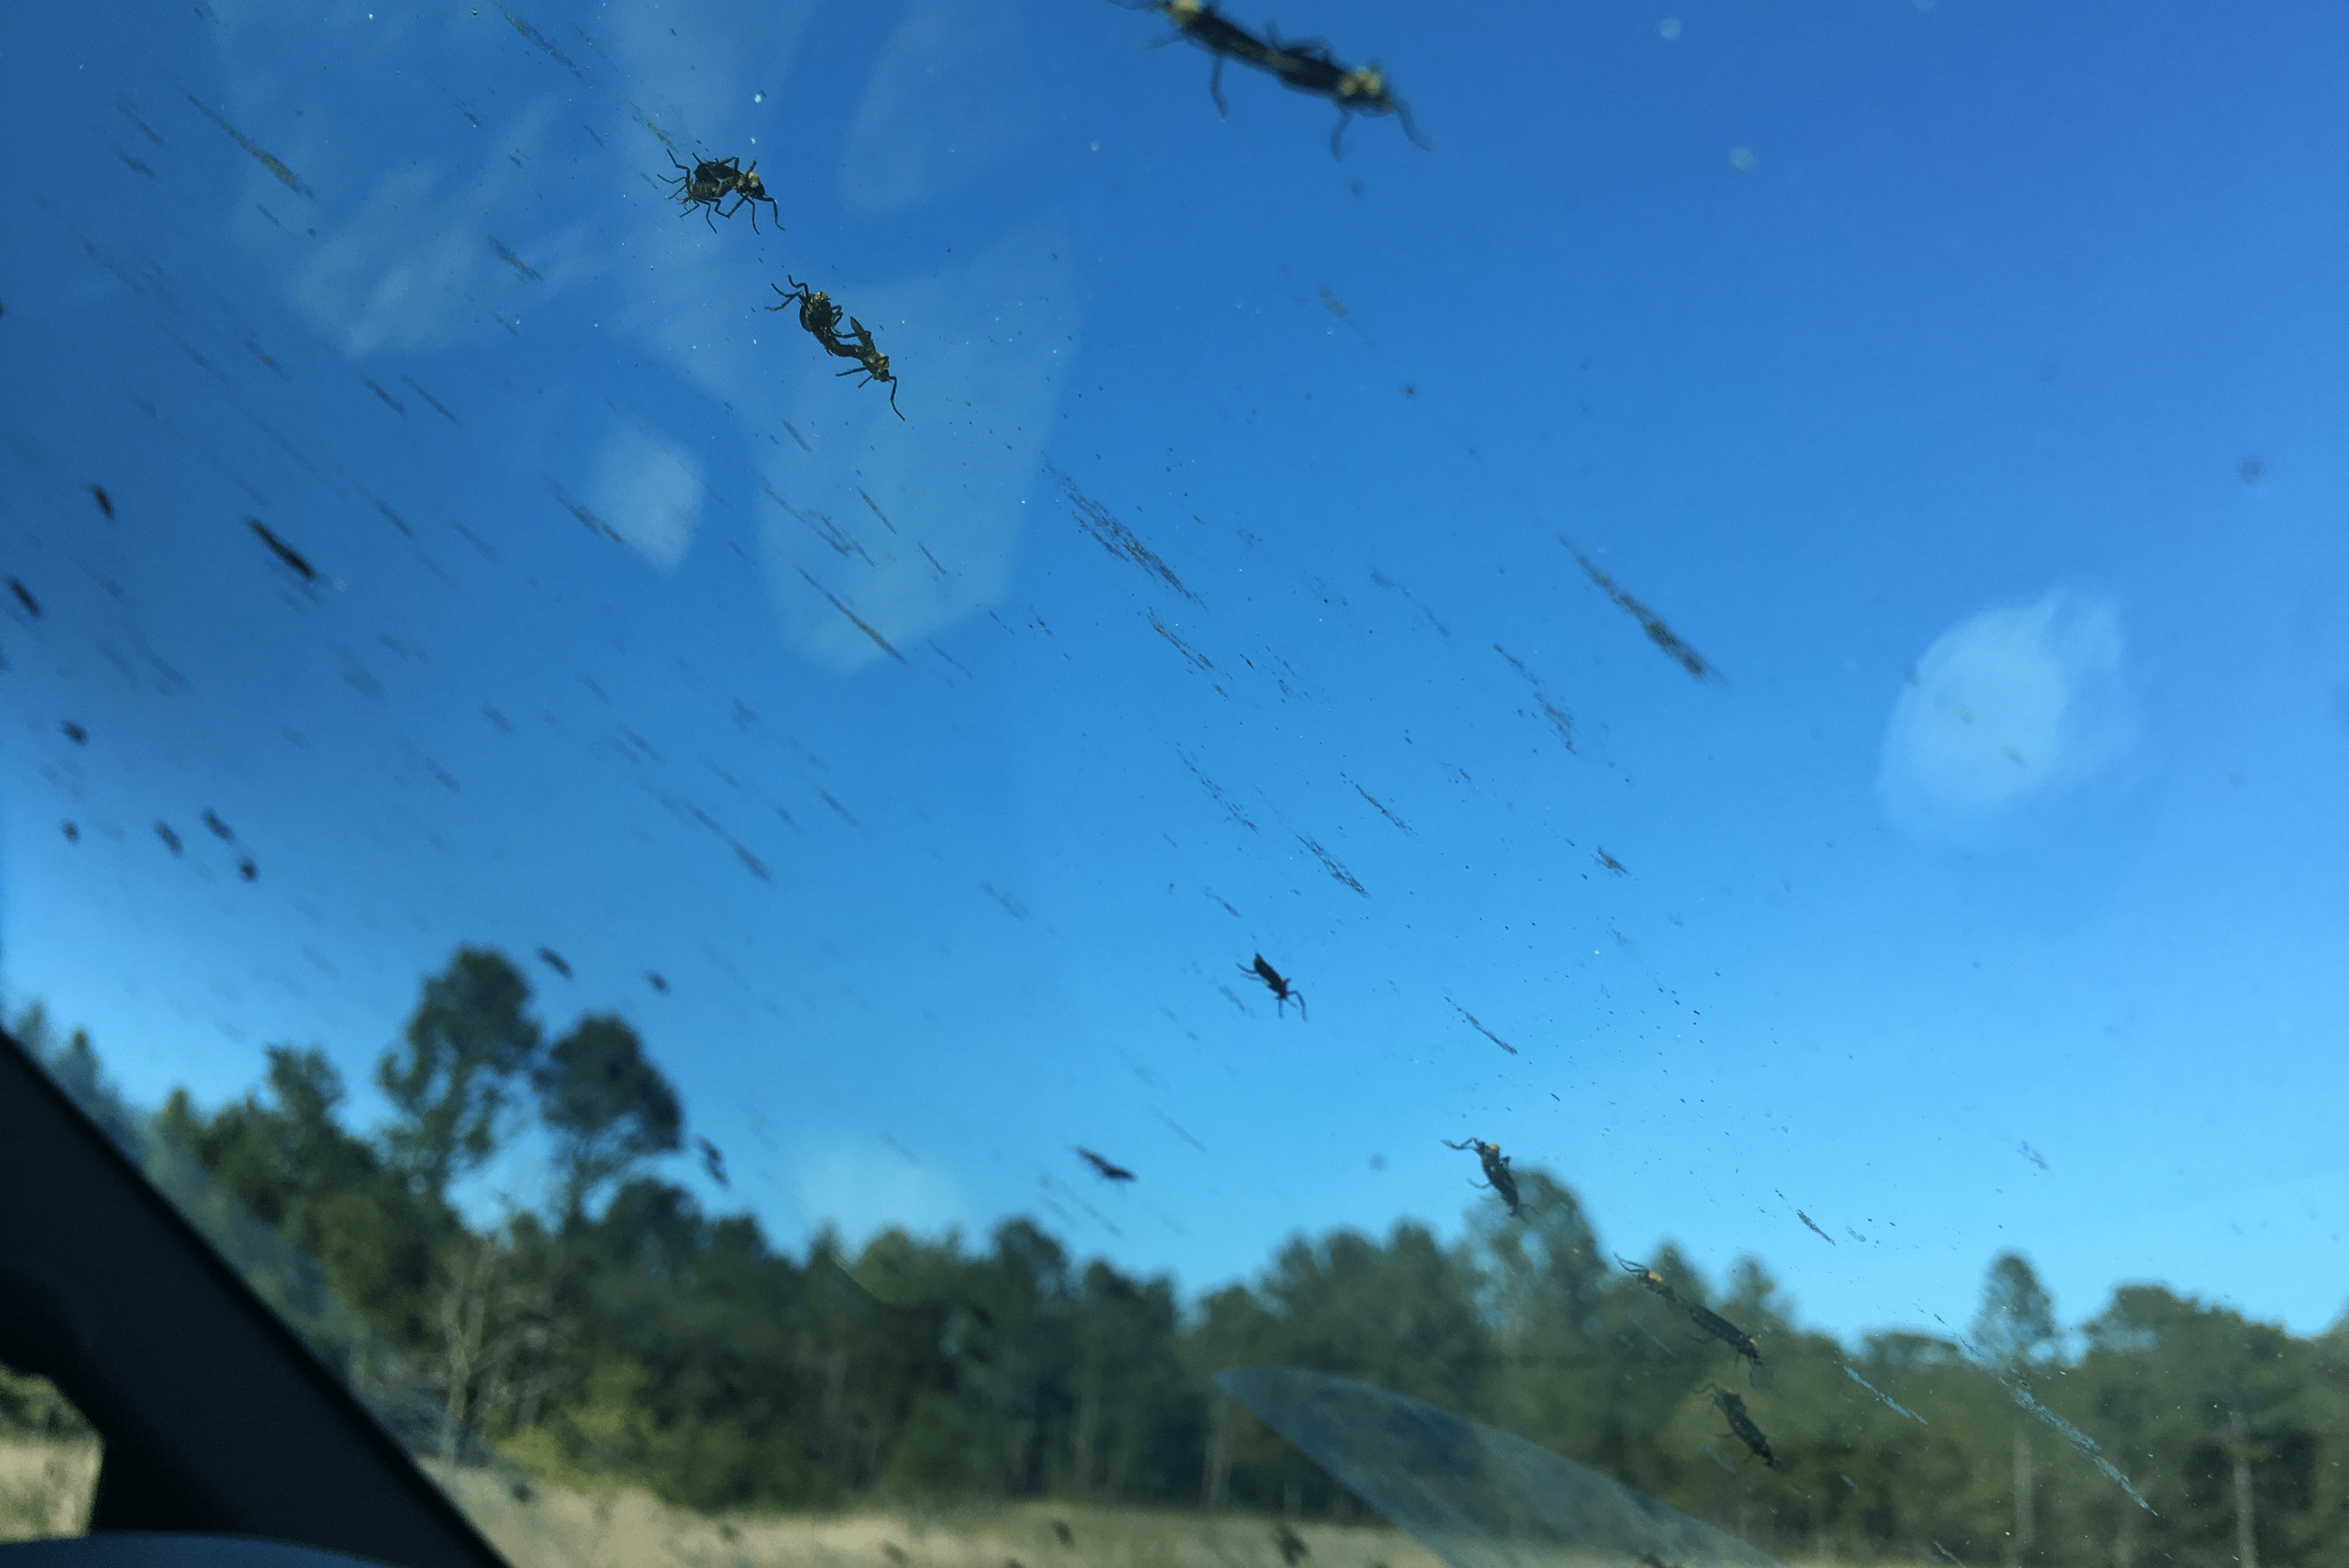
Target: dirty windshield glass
column 948, row 785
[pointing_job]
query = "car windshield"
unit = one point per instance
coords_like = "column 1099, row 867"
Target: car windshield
column 998, row 785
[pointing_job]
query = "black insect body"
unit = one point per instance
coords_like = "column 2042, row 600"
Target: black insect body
column 1721, row 1328
column 1283, row 991
column 872, row 364
column 660, row 983
column 246, row 869
column 1290, row 1545
column 1110, row 1173
column 711, row 182
column 1062, row 1532
column 554, row 961
column 817, row 315
column 104, row 501
column 25, row 598
column 712, row 1161
column 75, row 733
column 1743, row 1425
column 1498, row 1175
column 1306, row 66
column 220, row 829
column 1218, row 35
column 72, row 834
column 171, row 840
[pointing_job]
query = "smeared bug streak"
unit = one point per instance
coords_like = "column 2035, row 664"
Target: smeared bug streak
column 1184, row 649
column 858, row 621
column 1176, row 1129
column 846, row 815
column 1330, row 863
column 1378, row 807
column 1115, row 537
column 879, row 513
column 389, row 401
column 793, row 432
column 125, row 109
column 1480, row 1029
column 931, row 559
column 1888, row 1402
column 1109, row 1170
column 284, row 552
column 1426, row 613
column 750, row 863
column 2084, row 1444
column 1610, row 862
column 435, row 402
column 267, row 160
column 1814, row 1227
column 1215, row 791
column 1560, row 719
column 519, row 265
column 1662, row 636
column 587, row 517
column 545, row 44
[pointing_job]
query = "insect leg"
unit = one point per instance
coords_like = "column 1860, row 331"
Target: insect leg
column 1301, row 1015
column 1337, row 135
column 1403, row 113
column 893, row 398
column 1215, row 89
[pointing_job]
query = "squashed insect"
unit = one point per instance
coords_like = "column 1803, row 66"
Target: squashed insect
column 1110, row 1173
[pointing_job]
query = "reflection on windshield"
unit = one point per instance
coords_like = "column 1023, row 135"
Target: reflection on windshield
column 621, row 1335
column 1475, row 1496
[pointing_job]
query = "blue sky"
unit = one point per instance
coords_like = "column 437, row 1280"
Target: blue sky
column 1964, row 384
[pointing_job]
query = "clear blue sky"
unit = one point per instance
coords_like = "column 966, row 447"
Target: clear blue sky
column 1966, row 382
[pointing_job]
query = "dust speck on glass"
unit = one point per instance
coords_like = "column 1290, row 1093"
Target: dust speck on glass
column 695, row 691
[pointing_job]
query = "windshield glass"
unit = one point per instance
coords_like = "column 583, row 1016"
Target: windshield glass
column 831, row 744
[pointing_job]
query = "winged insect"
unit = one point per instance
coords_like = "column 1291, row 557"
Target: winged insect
column 1733, row 1407
column 1498, row 1175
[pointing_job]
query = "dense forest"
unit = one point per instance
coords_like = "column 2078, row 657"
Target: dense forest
column 624, row 1334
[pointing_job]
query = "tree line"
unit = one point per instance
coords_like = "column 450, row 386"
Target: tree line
column 620, row 1333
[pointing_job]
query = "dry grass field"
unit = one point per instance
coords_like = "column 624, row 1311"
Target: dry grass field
column 627, row 1528
column 45, row 1490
